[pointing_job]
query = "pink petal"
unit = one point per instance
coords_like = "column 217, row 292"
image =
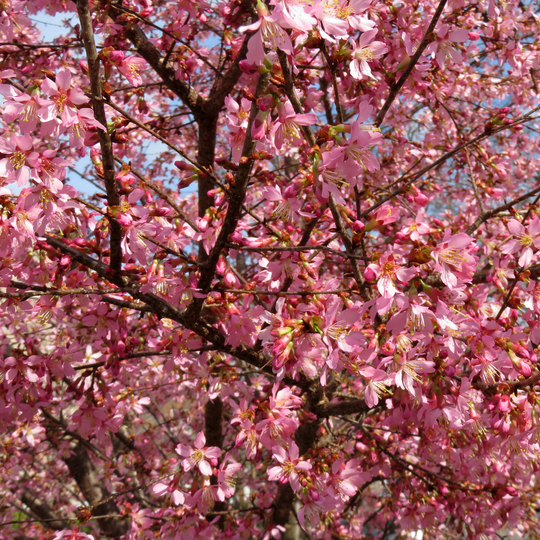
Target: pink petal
column 205, row 468
column 200, row 440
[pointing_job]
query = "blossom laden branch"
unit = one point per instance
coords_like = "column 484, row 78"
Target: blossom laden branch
column 113, row 197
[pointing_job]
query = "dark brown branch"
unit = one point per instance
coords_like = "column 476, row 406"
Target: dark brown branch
column 299, row 247
column 38, row 290
column 113, row 198
column 152, row 55
column 423, row 44
column 447, row 156
column 235, row 205
column 354, row 406
column 332, row 66
column 305, row 437
column 84, row 473
column 164, row 309
column 284, row 293
column 43, row 511
column 484, row 216
column 163, row 195
column 293, row 98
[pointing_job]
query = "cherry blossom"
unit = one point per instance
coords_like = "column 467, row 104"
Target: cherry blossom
column 200, row 456
column 296, row 281
column 290, row 466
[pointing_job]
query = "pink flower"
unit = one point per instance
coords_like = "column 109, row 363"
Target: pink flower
column 14, row 167
column 200, row 456
column 453, row 260
column 20, row 106
column 269, row 32
column 78, row 121
column 331, row 26
column 288, row 202
column 295, row 16
column 442, row 48
column 408, row 371
column 289, row 466
column 387, row 272
column 417, row 227
column 226, row 482
column 522, row 241
column 62, row 97
column 131, row 68
column 376, row 384
column 288, row 125
column 366, row 51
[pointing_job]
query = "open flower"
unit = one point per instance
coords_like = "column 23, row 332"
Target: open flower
column 289, row 466
column 269, row 31
column 523, row 240
column 388, row 272
column 131, row 69
column 364, row 52
column 288, row 126
column 200, row 456
column 409, row 371
column 14, row 166
column 453, row 260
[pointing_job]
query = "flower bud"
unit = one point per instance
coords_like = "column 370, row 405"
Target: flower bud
column 369, row 274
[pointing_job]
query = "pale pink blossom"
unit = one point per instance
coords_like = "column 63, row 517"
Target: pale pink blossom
column 290, row 466
column 523, row 240
column 364, row 52
column 200, row 456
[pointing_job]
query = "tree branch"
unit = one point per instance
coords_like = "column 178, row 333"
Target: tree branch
column 113, row 198
column 423, row 44
column 152, row 55
column 236, row 201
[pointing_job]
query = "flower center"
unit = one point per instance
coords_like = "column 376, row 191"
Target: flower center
column 389, row 269
column 357, row 154
column 17, row 159
column 452, row 256
column 272, row 32
column 283, row 211
column 60, row 100
column 525, row 240
column 196, row 457
column 29, row 112
column 334, row 7
column 334, row 177
column 48, row 167
column 365, row 53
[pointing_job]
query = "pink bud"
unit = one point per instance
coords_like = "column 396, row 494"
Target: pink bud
column 421, row 199
column 84, row 67
column 369, row 274
column 281, row 343
column 230, row 279
column 358, row 227
column 504, row 404
column 246, row 67
column 221, row 266
column 184, row 166
column 124, row 219
column 388, row 348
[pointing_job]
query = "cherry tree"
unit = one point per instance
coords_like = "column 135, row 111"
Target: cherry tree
column 269, row 269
